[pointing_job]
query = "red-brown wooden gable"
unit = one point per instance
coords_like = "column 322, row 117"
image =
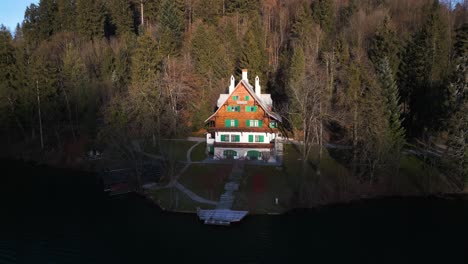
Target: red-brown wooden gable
column 222, row 114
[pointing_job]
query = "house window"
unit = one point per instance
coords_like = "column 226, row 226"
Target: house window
column 230, row 138
column 254, row 123
column 251, row 108
column 256, row 138
column 272, row 124
column 235, row 97
column 231, row 123
column 233, row 108
column 229, row 153
column 259, row 138
column 247, row 97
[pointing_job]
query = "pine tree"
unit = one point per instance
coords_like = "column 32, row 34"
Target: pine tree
column 66, row 15
column 384, row 44
column 208, row 54
column 323, row 14
column 301, row 29
column 121, row 16
column 48, row 22
column 209, row 10
column 146, row 59
column 393, row 107
column 241, row 6
column 90, row 18
column 296, row 84
column 458, row 87
column 172, row 27
column 8, row 74
column 456, row 157
column 253, row 56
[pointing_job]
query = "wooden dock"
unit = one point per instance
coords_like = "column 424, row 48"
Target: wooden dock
column 221, row 216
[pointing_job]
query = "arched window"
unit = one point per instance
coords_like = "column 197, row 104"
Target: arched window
column 230, row 154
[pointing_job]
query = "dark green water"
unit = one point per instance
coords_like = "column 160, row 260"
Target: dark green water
column 60, row 216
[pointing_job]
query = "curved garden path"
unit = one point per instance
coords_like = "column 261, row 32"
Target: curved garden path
column 174, row 182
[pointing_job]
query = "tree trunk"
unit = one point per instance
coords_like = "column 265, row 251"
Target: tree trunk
column 69, row 113
column 18, row 122
column 39, row 114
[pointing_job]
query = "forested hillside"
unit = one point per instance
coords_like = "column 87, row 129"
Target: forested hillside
column 377, row 75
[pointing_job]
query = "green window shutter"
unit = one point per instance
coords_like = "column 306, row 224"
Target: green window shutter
column 260, row 123
column 247, row 108
column 227, row 123
column 261, row 138
column 229, row 108
column 236, row 123
column 254, row 109
column 236, row 138
column 246, row 97
column 238, row 108
column 251, row 138
column 247, row 123
column 223, row 137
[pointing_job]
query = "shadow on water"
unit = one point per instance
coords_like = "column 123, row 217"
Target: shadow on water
column 60, row 216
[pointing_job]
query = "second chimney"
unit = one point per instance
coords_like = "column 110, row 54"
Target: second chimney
column 257, row 86
column 244, row 75
column 231, row 85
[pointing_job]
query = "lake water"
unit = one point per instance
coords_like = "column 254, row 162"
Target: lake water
column 61, row 216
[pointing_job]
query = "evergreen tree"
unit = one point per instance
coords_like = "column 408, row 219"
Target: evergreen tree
column 31, row 25
column 209, row 10
column 420, row 77
column 66, row 15
column 241, row 6
column 121, row 16
column 393, row 107
column 90, row 18
column 253, row 56
column 323, row 14
column 208, row 54
column 48, row 20
column 296, row 85
column 301, row 29
column 172, row 27
column 456, row 157
column 384, row 44
column 458, row 87
column 146, row 59
column 8, row 74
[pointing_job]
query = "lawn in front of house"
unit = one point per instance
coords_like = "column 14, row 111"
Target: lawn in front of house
column 199, row 152
column 206, row 180
column 173, row 199
column 259, row 187
column 262, row 184
column 170, row 149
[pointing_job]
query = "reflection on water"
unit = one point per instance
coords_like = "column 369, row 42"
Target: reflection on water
column 59, row 216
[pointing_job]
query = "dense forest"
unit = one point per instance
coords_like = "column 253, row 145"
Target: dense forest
column 377, row 75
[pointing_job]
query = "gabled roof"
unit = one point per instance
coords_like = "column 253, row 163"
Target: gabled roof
column 225, row 97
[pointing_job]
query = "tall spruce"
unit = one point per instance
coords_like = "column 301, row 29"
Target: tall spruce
column 121, row 14
column 393, row 106
column 323, row 14
column 172, row 26
column 90, row 18
column 253, row 54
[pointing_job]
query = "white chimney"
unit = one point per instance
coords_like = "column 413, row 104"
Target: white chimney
column 244, row 75
column 231, row 86
column 257, row 86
